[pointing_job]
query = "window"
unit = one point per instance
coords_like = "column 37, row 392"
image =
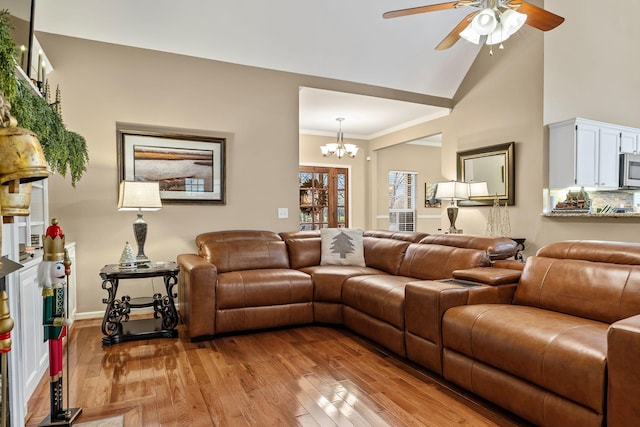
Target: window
column 402, row 201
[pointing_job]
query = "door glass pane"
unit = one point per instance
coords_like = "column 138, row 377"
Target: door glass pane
column 341, row 198
column 305, row 179
column 321, row 180
column 320, row 198
column 325, row 214
column 341, row 181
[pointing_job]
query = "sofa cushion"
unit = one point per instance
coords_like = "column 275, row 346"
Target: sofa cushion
column 253, row 288
column 409, row 236
column 237, row 255
column 559, row 352
column 593, row 250
column 303, row 252
column 384, row 254
column 341, row 246
column 595, row 290
column 380, row 296
column 495, row 247
column 329, row 279
column 433, row 262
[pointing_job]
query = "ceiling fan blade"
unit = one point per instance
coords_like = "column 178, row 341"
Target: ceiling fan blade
column 423, row 9
column 538, row 17
column 454, row 35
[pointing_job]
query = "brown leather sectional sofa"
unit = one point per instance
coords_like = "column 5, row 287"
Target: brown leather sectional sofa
column 555, row 340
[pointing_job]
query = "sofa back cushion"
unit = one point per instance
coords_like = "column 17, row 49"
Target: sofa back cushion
column 409, row 236
column 432, row 262
column 243, row 250
column 495, row 247
column 594, row 280
column 384, row 254
column 303, row 247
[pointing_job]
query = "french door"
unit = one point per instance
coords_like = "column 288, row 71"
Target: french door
column 324, row 197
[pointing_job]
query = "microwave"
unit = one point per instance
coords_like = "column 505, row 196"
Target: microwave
column 630, row 170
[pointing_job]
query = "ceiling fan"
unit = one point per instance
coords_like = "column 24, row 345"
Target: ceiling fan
column 493, row 21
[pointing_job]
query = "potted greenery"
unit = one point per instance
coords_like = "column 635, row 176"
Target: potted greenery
column 64, row 150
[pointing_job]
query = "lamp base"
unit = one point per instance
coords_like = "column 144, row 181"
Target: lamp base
column 452, row 213
column 142, row 261
column 140, row 232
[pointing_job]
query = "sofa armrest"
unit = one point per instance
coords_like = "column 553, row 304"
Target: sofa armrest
column 425, row 304
column 510, row 264
column 623, row 350
column 489, row 275
column 196, row 295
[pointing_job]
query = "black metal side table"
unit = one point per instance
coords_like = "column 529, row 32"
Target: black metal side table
column 116, row 325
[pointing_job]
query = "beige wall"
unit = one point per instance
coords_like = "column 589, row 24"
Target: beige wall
column 423, row 160
column 499, row 101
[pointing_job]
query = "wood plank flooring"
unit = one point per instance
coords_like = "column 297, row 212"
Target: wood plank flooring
column 307, row 376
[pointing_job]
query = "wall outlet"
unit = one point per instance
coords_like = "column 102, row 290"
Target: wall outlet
column 283, row 213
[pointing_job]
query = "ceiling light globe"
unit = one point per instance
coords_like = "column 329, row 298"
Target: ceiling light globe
column 332, row 147
column 352, row 149
column 484, row 22
column 470, row 35
column 498, row 35
column 512, row 21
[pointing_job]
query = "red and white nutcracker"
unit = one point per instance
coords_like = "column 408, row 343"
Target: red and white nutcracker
column 53, row 276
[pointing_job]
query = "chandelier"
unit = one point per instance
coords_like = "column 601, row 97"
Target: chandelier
column 497, row 22
column 339, row 148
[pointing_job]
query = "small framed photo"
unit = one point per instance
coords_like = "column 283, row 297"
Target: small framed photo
column 189, row 168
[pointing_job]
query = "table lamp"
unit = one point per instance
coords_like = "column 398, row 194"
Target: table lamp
column 454, row 191
column 140, row 196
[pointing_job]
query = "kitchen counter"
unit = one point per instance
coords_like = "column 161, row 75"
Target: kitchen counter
column 570, row 214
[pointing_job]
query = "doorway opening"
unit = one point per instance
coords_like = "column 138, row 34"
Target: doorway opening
column 324, row 197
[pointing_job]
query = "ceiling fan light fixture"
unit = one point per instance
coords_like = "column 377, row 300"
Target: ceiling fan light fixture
column 512, row 21
column 485, row 22
column 498, row 35
column 470, row 35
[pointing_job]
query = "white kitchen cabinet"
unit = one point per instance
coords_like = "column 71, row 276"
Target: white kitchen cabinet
column 583, row 153
column 629, row 141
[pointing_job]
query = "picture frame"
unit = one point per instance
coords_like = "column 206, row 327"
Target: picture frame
column 189, row 167
column 430, row 200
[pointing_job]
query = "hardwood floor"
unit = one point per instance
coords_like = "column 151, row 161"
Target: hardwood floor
column 307, row 376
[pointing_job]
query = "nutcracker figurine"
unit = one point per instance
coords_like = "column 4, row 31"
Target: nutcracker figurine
column 53, row 273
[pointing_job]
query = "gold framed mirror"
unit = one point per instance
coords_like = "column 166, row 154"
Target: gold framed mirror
column 494, row 165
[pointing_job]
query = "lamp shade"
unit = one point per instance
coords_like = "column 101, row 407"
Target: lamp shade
column 512, row 21
column 452, row 190
column 484, row 22
column 478, row 189
column 136, row 195
column 470, row 35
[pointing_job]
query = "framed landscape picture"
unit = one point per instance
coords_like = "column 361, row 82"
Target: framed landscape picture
column 188, row 168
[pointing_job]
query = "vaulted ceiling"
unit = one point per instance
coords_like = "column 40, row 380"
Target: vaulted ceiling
column 341, row 39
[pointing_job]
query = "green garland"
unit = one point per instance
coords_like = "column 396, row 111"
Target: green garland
column 64, row 150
